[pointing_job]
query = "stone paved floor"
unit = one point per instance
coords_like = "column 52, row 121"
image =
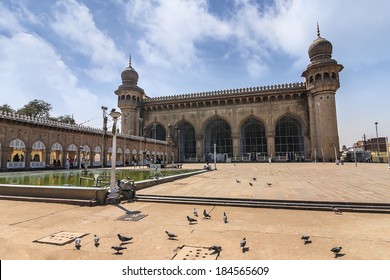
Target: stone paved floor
column 271, row 233
column 290, row 181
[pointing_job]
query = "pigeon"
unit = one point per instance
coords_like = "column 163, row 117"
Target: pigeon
column 195, row 213
column 77, row 242
column 337, row 211
column 124, row 238
column 306, row 238
column 242, row 244
column 254, row 179
column 118, row 248
column 170, row 235
column 250, row 184
column 238, row 181
column 225, row 219
column 269, row 184
column 96, row 240
column 216, row 248
column 206, row 216
column 191, row 220
column 336, row 251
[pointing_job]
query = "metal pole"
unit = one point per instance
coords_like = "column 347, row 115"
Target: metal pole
column 377, row 141
column 388, row 156
column 113, row 193
column 215, row 156
column 178, row 131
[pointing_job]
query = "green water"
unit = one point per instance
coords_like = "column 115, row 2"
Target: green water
column 72, row 177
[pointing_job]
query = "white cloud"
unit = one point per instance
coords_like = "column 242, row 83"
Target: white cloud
column 74, row 23
column 172, row 30
column 24, row 77
column 9, row 21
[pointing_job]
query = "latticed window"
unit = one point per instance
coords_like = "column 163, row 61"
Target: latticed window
column 253, row 138
column 187, row 140
column 289, row 138
column 158, row 133
column 219, row 132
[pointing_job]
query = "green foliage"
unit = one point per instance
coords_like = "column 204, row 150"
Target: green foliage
column 36, row 108
column 6, row 108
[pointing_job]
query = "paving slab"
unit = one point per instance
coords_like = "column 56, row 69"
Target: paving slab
column 272, row 234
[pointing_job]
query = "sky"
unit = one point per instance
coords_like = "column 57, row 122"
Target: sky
column 70, row 53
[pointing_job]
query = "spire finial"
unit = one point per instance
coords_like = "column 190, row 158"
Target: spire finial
column 318, row 30
column 130, row 60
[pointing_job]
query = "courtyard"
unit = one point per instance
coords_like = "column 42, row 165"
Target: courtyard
column 271, row 234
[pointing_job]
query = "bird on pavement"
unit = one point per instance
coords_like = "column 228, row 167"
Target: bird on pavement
column 216, row 248
column 118, row 248
column 250, row 184
column 191, row 220
column 269, row 184
column 124, row 239
column 195, row 212
column 337, row 211
column 225, row 219
column 242, row 244
column 238, row 181
column 306, row 238
column 206, row 215
column 170, row 235
column 77, row 242
column 254, row 179
column 336, row 251
column 96, row 240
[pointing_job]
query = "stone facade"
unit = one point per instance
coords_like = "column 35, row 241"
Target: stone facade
column 32, row 143
column 284, row 122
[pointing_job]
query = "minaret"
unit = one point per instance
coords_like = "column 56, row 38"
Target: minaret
column 322, row 82
column 130, row 97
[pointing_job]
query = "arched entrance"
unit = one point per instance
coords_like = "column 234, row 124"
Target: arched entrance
column 16, row 156
column 38, row 155
column 253, row 140
column 186, row 141
column 217, row 132
column 289, row 140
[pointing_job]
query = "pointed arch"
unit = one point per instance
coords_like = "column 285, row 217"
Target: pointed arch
column 289, row 138
column 253, row 138
column 217, row 131
column 186, row 141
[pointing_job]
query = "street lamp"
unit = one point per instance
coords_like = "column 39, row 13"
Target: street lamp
column 155, row 137
column 114, row 115
column 178, row 132
column 377, row 141
column 104, row 145
column 80, row 150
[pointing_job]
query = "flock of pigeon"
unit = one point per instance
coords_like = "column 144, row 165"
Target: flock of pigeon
column 215, row 248
column 254, row 179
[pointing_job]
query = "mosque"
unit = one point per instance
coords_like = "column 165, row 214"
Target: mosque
column 285, row 122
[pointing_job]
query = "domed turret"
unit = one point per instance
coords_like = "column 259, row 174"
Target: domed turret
column 129, row 75
column 320, row 48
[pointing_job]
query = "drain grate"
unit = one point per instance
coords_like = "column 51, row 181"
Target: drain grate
column 61, row 238
column 132, row 216
column 194, row 253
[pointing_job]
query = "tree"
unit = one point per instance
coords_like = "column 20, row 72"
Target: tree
column 64, row 119
column 36, row 108
column 6, row 108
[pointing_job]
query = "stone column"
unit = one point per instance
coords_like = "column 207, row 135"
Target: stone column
column 271, row 143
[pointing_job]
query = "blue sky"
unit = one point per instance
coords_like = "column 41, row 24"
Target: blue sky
column 70, row 53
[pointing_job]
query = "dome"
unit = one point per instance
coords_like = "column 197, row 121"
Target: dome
column 320, row 49
column 129, row 75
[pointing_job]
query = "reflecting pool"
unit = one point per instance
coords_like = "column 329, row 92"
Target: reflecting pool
column 91, row 177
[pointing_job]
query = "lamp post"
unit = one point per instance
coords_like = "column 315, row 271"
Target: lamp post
column 113, row 194
column 155, row 137
column 388, row 156
column 104, row 145
column 178, row 132
column 80, row 150
column 377, row 141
